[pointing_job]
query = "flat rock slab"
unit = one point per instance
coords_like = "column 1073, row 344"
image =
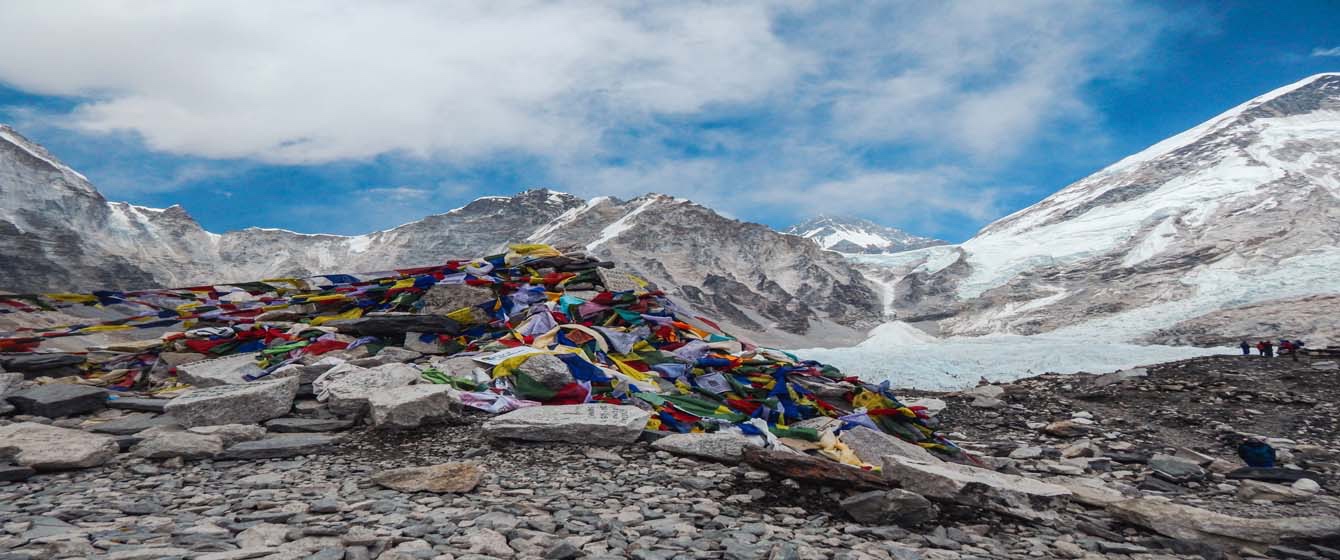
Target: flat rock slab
column 806, row 467
column 288, row 445
column 307, row 425
column 139, row 404
column 15, row 473
column 220, row 371
column 414, row 406
column 724, row 447
column 594, row 424
column 59, row 399
column 132, row 424
column 442, row 299
column 1287, row 476
column 1010, row 494
column 1219, row 530
column 33, row 365
column 251, row 403
column 346, row 387
column 167, row 444
column 395, row 326
column 47, row 448
column 443, row 478
column 871, row 446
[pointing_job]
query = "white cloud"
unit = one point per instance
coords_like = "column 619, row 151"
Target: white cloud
column 1333, row 51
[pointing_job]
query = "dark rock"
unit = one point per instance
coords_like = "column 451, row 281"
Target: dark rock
column 35, row 365
column 142, row 405
column 805, row 467
column 14, row 473
column 59, row 399
column 307, row 425
column 1175, row 469
column 126, row 442
column 896, row 506
column 281, row 446
column 1287, row 476
column 395, row 326
column 132, row 424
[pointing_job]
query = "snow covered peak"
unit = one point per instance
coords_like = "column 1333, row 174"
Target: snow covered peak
column 857, row 235
column 12, row 137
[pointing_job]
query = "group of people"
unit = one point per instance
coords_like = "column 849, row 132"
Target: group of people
column 1267, row 348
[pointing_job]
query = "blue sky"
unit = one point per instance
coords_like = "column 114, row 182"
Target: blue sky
column 348, row 117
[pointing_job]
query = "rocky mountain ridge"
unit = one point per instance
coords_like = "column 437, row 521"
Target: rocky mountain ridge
column 60, row 234
column 846, row 234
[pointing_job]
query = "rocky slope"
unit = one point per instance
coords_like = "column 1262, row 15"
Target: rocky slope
column 857, row 235
column 59, row 234
column 1242, row 209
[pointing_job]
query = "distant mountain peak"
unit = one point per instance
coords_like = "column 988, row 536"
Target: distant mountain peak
column 849, row 234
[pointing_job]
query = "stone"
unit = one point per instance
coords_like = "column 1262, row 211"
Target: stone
column 220, row 371
column 395, row 326
column 345, row 388
column 132, row 424
column 391, row 354
column 871, row 446
column 1089, row 491
column 987, row 391
column 1306, row 485
column 56, row 400
column 9, row 384
column 1175, row 469
column 15, row 473
column 455, row 366
column 547, row 370
column 424, row 343
column 139, row 404
column 44, row 364
column 1226, row 532
column 592, row 424
column 1023, row 497
column 307, row 425
column 986, row 402
column 149, row 553
column 727, row 447
column 231, row 434
column 489, row 543
column 1026, row 453
column 932, row 406
column 1194, row 456
column 262, row 535
column 442, row 298
column 443, row 478
column 1067, row 428
column 1253, row 490
column 1264, row 474
column 896, row 506
column 279, row 446
column 167, row 444
column 414, row 406
column 47, row 448
column 250, row 403
column 806, row 467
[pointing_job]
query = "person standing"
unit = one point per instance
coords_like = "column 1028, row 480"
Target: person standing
column 1270, row 349
column 1246, row 348
column 1261, row 348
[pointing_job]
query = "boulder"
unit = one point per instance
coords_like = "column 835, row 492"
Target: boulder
column 134, row 403
column 986, row 402
column 307, row 425
column 986, row 391
column 166, row 444
column 1175, row 469
column 455, row 366
column 1267, row 474
column 810, row 468
column 1252, row 490
column 1216, row 529
column 231, row 434
column 871, row 446
column 414, row 406
column 346, row 387
column 1306, row 485
column 220, row 371
column 132, row 424
column 1089, row 491
column 884, row 507
column 442, row 299
column 250, row 403
column 547, row 370
column 727, row 447
column 58, row 399
column 46, row 448
column 42, row 365
column 424, row 343
column 388, row 355
column 1010, row 494
column 279, row 446
column 15, row 473
column 594, row 424
column 443, row 478
column 9, row 383
column 1067, row 429
column 395, row 326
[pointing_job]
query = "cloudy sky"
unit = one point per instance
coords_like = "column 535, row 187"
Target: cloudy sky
column 351, row 116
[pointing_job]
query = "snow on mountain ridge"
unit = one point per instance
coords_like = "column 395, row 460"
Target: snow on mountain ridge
column 857, row 235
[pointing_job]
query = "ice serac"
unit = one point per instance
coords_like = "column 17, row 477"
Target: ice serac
column 1240, row 210
column 857, row 235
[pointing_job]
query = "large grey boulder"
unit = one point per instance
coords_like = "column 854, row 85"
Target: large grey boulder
column 871, row 446
column 1010, row 494
column 46, row 448
column 442, row 299
column 883, row 507
column 727, row 447
column 251, row 403
column 346, row 387
column 595, row 424
column 1216, row 529
column 547, row 370
column 414, row 406
column 220, row 371
column 59, row 399
column 166, row 444
column 1175, row 469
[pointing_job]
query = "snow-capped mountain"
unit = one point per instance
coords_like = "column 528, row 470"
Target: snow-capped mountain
column 857, row 235
column 1243, row 210
column 57, row 233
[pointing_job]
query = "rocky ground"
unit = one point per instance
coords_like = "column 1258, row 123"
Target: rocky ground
column 1103, row 437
